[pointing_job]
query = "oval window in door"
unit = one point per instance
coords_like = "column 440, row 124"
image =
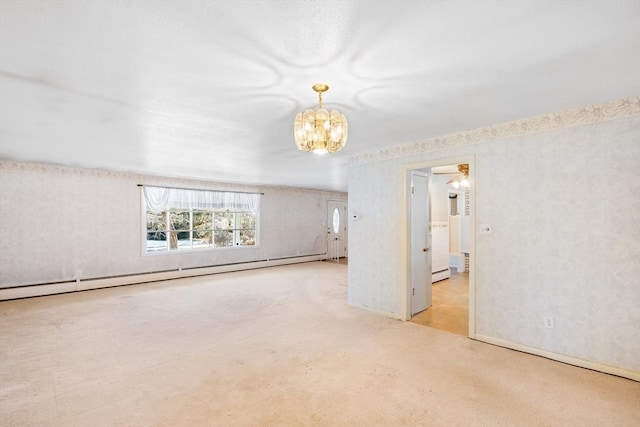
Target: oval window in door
column 336, row 220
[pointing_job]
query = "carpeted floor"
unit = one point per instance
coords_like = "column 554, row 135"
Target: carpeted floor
column 274, row 347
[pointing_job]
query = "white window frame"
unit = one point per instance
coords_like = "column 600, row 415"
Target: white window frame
column 168, row 251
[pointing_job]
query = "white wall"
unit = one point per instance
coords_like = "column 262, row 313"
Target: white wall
column 58, row 223
column 439, row 199
column 562, row 193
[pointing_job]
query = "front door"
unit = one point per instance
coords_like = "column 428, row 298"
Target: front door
column 420, row 243
column 336, row 229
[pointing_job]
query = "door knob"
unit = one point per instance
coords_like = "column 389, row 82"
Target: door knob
column 425, row 249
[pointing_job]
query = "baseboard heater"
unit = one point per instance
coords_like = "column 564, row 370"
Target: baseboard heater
column 41, row 289
column 436, row 276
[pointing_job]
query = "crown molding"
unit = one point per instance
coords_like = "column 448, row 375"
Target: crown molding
column 581, row 116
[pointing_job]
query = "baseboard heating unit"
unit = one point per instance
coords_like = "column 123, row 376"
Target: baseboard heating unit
column 41, row 289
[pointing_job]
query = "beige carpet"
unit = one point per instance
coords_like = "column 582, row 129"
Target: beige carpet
column 274, row 347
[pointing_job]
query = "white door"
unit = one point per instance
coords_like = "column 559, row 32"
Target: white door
column 336, row 229
column 420, row 243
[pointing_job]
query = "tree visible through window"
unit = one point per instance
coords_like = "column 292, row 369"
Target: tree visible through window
column 182, row 228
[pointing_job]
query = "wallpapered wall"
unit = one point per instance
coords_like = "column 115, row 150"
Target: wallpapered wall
column 564, row 203
column 62, row 223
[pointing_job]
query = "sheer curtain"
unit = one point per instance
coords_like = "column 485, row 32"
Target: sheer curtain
column 158, row 199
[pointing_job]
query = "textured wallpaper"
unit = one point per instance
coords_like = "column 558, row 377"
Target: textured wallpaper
column 63, row 223
column 564, row 204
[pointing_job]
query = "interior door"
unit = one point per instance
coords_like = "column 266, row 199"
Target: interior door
column 420, row 243
column 336, row 229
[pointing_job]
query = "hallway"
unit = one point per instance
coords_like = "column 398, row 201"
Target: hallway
column 450, row 309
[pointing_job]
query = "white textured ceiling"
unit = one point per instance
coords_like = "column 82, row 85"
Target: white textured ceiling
column 209, row 89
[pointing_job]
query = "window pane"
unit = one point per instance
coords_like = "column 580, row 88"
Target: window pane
column 223, row 221
column 156, row 241
column 247, row 221
column 156, row 221
column 336, row 220
column 157, row 236
column 202, row 239
column 179, row 240
column 248, row 237
column 202, row 220
column 223, row 238
column 179, row 220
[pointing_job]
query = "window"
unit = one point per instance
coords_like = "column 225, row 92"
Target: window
column 178, row 219
column 234, row 229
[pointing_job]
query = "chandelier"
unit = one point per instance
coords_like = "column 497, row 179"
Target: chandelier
column 320, row 131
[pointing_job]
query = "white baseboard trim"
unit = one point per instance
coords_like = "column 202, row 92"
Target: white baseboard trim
column 376, row 311
column 88, row 284
column 601, row 367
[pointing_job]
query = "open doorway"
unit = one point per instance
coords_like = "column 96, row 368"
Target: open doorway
column 450, row 222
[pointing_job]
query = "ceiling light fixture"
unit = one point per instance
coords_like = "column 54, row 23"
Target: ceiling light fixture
column 320, row 131
column 461, row 180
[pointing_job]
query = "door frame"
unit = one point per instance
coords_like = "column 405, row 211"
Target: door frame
column 405, row 280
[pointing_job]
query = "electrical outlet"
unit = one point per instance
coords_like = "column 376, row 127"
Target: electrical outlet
column 548, row 322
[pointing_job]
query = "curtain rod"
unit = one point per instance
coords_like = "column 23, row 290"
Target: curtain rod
column 199, row 189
